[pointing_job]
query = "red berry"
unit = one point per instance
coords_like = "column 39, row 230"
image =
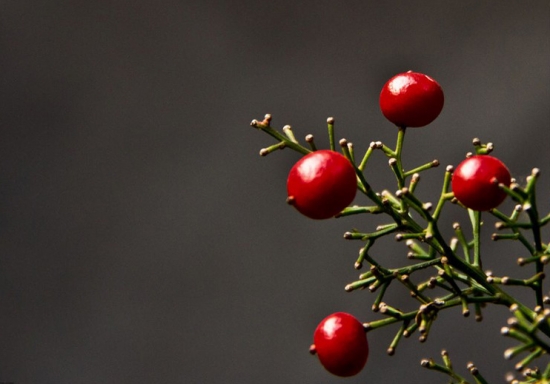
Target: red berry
column 321, row 184
column 411, row 99
column 475, row 182
column 341, row 344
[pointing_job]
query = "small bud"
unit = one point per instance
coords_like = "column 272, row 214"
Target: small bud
column 330, row 120
column 469, row 154
column 476, row 142
column 312, row 349
column 472, row 368
column 535, row 172
column 509, row 353
column 343, row 142
column 391, row 351
column 449, row 168
column 358, row 265
column 456, row 226
column 512, row 321
column 309, row 138
column 290, row 200
column 435, row 163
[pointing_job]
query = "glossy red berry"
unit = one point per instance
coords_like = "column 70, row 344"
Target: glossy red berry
column 321, row 184
column 411, row 99
column 341, row 344
column 475, row 182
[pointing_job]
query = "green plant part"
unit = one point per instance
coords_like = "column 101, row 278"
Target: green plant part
column 456, row 279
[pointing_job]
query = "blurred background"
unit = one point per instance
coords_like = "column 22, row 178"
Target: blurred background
column 142, row 238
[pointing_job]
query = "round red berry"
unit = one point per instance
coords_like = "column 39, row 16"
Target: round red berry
column 341, row 344
column 411, row 99
column 321, row 184
column 475, row 182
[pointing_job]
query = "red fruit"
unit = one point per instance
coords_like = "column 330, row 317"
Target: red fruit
column 341, row 344
column 321, row 184
column 411, row 99
column 475, row 182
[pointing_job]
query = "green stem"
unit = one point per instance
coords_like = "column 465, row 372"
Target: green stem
column 368, row 153
column 289, row 143
column 330, row 123
column 398, row 152
column 534, row 218
column 475, row 218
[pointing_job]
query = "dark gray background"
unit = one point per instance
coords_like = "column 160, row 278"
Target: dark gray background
column 142, row 238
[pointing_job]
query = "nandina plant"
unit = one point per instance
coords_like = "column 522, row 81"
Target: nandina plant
column 322, row 185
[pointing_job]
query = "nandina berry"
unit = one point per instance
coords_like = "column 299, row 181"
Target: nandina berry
column 321, row 184
column 341, row 344
column 475, row 182
column 411, row 99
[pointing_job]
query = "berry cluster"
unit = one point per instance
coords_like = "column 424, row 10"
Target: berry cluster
column 323, row 184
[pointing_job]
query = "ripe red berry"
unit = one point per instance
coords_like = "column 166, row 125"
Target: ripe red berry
column 411, row 99
column 475, row 182
column 321, row 184
column 341, row 344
